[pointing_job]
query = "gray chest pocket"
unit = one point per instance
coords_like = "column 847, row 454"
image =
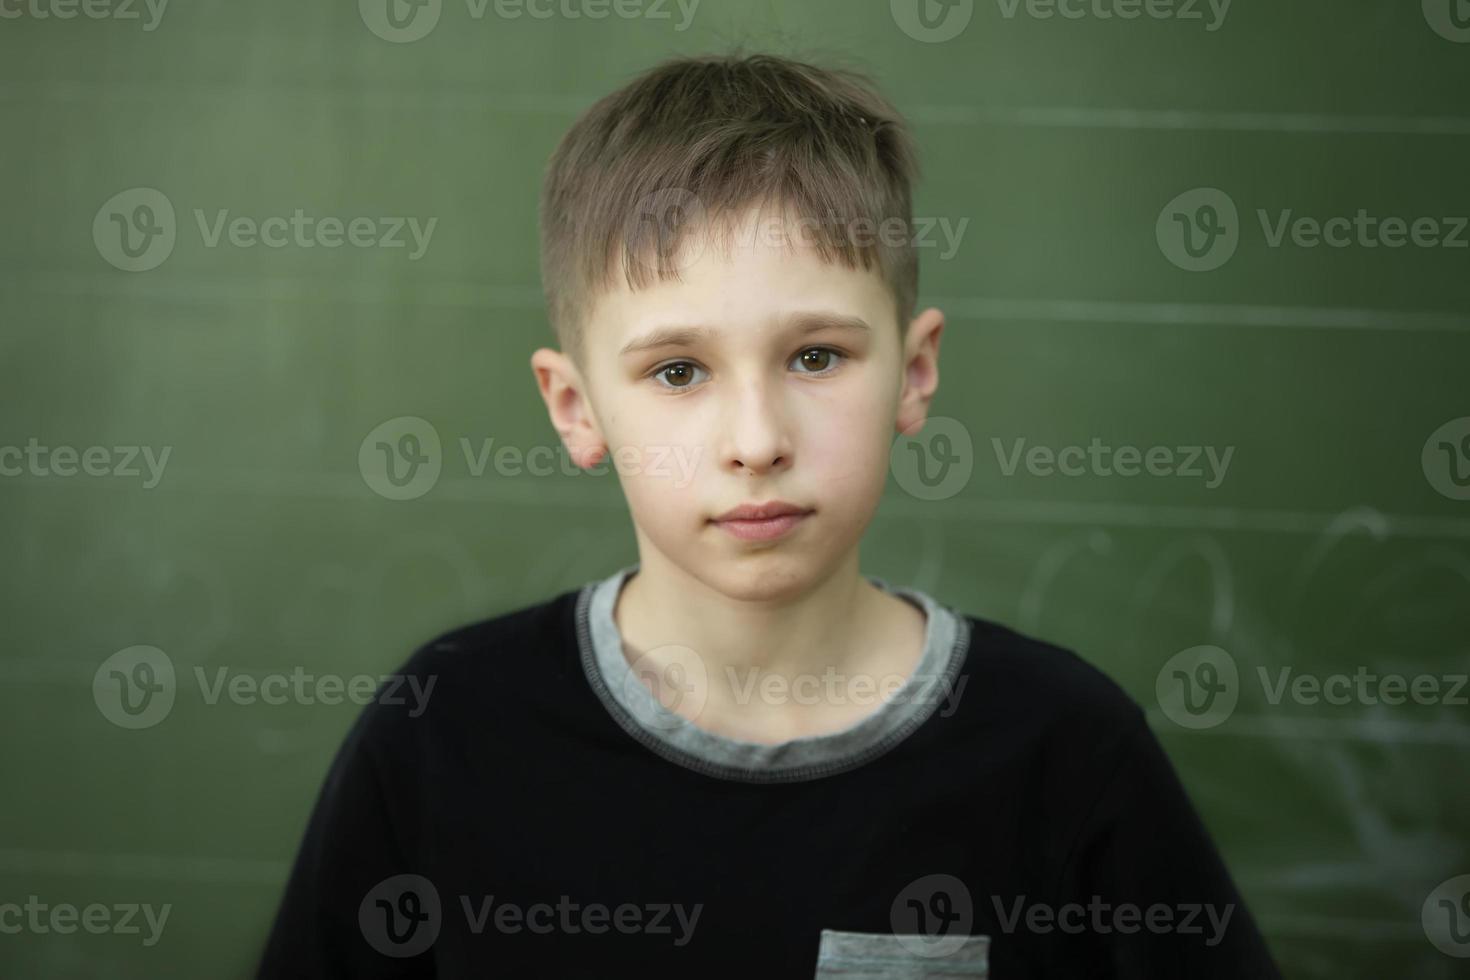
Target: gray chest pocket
column 880, row 956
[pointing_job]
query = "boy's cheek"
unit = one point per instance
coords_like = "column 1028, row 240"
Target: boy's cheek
column 850, row 450
column 664, row 493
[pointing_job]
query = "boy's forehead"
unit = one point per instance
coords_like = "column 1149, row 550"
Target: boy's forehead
column 747, row 274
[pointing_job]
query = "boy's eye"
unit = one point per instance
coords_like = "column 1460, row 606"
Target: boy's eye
column 681, row 374
column 819, row 359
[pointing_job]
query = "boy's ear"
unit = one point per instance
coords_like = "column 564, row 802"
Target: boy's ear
column 568, row 407
column 920, row 370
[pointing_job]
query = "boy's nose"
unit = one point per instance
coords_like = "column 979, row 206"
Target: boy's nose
column 758, row 433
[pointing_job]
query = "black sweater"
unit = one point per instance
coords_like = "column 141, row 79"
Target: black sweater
column 510, row 826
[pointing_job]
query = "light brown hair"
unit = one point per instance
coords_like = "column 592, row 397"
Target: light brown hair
column 693, row 142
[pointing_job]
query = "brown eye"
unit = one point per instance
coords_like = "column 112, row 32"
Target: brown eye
column 815, row 360
column 679, row 374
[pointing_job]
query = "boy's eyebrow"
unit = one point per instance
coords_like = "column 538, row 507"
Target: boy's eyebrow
column 803, row 323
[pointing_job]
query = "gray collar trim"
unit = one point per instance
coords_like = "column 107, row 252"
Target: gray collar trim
column 665, row 732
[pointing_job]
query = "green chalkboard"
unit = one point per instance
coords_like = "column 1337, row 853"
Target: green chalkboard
column 1127, row 266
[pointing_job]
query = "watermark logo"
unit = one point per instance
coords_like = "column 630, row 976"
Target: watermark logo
column 677, row 463
column 933, row 915
column 135, row 688
column 37, row 460
column 1199, row 230
column 1363, row 687
column 299, row 687
column 678, row 680
column 402, row 21
column 1362, row 230
column 1446, row 917
column 1100, row 917
column 662, row 229
column 401, row 916
column 91, row 9
column 64, row 918
column 1207, row 463
column 936, row 462
column 834, row 687
column 932, row 21
column 1198, row 688
column 401, row 458
column 1446, row 459
column 304, row 230
column 573, row 917
column 1450, row 19
column 1180, row 10
column 662, row 233
column 135, row 229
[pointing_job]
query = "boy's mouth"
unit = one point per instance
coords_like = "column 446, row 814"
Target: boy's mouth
column 762, row 522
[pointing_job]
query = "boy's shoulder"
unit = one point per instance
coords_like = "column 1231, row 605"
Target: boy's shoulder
column 486, row 673
column 500, row 640
column 1010, row 658
column 1040, row 699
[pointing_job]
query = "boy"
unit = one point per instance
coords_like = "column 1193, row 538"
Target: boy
column 739, row 757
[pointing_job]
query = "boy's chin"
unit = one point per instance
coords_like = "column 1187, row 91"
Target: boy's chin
column 764, row 574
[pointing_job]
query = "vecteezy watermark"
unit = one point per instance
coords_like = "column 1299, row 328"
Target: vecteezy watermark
column 933, row 915
column 148, row 12
column 402, row 459
column 135, row 230
column 932, row 21
column 1102, row 918
column 403, row 915
column 1200, row 229
column 1362, row 230
column 1097, row 459
column 1446, row 459
column 402, row 21
column 1363, row 687
column 671, row 677
column 64, row 918
column 67, row 461
column 1446, row 917
column 1200, row 687
column 668, row 228
column 935, row 21
column 1210, row 13
column 935, row 462
column 834, row 687
column 677, row 678
column 808, row 231
column 136, row 688
column 1450, row 19
column 676, row 462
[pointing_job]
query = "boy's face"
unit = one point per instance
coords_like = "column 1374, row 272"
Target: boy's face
column 788, row 384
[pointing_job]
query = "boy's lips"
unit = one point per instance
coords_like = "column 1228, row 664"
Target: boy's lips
column 762, row 511
column 762, row 522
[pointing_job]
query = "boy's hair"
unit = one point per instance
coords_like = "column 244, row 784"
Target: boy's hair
column 692, row 144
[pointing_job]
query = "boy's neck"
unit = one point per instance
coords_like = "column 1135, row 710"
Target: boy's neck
column 842, row 624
